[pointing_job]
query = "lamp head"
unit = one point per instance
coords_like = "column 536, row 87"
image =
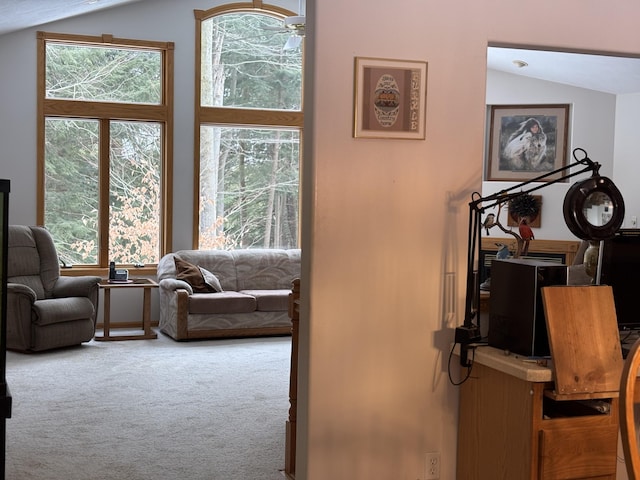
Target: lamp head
column 594, row 208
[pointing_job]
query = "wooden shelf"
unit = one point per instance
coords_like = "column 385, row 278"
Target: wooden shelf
column 567, row 248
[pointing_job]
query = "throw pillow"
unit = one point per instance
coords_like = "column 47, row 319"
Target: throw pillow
column 211, row 280
column 200, row 279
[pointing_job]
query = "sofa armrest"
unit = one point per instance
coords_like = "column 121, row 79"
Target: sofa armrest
column 174, row 305
column 173, row 284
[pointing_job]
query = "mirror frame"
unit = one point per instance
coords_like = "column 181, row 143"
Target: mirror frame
column 573, row 208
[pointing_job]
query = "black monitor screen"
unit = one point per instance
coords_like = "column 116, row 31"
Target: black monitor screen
column 621, row 270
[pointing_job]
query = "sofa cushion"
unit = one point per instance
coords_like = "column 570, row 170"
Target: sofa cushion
column 221, row 302
column 270, row 300
column 264, row 269
column 200, row 279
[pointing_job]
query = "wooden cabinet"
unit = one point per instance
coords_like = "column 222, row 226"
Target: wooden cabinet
column 511, row 429
column 522, row 420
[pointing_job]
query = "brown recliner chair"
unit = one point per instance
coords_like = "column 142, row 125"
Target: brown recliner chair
column 45, row 310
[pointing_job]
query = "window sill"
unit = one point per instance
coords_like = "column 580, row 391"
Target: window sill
column 76, row 271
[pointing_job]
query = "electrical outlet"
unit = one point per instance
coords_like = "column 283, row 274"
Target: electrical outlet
column 634, row 221
column 432, row 471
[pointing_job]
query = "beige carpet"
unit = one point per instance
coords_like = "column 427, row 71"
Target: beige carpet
column 150, row 410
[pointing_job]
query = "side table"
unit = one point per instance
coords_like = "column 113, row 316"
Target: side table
column 146, row 284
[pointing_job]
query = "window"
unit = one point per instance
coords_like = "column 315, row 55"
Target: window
column 249, row 119
column 104, row 152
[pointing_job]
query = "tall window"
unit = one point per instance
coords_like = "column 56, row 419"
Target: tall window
column 104, row 148
column 249, row 124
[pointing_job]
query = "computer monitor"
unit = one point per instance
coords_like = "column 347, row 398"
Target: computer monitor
column 621, row 270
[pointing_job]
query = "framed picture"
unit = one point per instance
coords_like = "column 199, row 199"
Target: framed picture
column 389, row 98
column 526, row 141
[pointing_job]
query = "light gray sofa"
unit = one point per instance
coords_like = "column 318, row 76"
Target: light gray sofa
column 255, row 287
column 576, row 271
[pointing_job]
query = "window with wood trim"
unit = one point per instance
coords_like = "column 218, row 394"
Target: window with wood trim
column 105, row 144
column 248, row 129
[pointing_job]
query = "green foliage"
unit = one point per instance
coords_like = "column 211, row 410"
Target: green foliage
column 79, row 72
column 249, row 177
column 257, row 194
column 72, row 187
column 73, row 171
column 256, row 72
column 134, row 212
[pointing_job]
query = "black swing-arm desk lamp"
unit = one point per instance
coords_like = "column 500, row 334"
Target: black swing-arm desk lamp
column 576, row 200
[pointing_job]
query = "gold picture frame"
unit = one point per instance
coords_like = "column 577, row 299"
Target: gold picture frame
column 527, row 141
column 389, row 98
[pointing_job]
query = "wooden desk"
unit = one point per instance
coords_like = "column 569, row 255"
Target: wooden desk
column 146, row 284
column 509, row 429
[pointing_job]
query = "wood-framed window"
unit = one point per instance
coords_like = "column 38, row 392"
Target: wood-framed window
column 105, row 146
column 248, row 128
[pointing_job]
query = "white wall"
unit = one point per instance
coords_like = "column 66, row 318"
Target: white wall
column 592, row 127
column 627, row 155
column 384, row 221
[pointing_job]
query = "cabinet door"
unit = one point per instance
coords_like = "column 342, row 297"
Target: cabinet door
column 495, row 433
column 577, row 452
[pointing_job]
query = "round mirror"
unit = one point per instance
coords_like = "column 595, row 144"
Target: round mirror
column 594, row 209
column 598, row 209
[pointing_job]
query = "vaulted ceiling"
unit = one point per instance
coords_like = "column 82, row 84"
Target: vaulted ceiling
column 19, row 14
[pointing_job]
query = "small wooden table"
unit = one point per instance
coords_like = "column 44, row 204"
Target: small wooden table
column 146, row 284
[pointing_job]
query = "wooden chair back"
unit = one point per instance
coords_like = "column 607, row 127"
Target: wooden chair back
column 629, row 396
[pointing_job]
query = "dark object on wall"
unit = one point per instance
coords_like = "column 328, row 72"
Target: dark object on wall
column 5, row 396
column 516, row 312
column 525, row 206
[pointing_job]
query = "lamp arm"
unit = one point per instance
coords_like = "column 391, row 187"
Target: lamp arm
column 504, row 195
column 469, row 332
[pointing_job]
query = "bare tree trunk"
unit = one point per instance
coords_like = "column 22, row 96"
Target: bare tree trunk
column 210, row 144
column 272, row 192
column 243, row 197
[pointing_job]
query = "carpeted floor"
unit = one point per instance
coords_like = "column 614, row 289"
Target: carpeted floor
column 150, row 410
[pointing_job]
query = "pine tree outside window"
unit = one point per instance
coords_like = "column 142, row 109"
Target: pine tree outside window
column 104, row 152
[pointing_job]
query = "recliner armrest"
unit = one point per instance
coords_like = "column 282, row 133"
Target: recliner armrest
column 84, row 286
column 20, row 289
